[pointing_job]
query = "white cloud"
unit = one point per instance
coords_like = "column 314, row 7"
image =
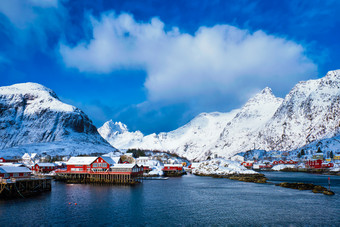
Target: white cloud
column 214, row 63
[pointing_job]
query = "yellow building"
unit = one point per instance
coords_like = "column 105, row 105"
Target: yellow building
column 336, row 157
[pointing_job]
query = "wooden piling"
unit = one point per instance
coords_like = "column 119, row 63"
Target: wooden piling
column 13, row 188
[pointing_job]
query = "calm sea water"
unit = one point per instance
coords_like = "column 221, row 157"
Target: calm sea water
column 189, row 200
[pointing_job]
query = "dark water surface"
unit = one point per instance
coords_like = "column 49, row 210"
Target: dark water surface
column 189, row 200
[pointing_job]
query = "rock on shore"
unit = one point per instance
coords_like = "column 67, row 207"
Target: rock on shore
column 305, row 186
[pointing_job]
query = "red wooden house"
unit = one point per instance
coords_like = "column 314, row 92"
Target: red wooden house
column 318, row 164
column 7, row 172
column 315, row 164
column 327, row 165
column 247, row 164
column 292, row 162
column 89, row 164
column 43, row 167
column 130, row 169
column 173, row 169
column 265, row 166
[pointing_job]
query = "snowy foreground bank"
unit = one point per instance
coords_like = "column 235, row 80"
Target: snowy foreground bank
column 222, row 168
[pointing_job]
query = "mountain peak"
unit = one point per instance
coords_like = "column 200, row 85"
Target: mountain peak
column 117, row 127
column 32, row 115
column 28, row 88
column 264, row 96
column 333, row 75
column 267, row 90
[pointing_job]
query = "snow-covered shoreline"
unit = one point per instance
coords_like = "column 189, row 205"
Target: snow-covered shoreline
column 221, row 166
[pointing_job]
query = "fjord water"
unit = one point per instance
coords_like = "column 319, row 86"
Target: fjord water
column 189, row 200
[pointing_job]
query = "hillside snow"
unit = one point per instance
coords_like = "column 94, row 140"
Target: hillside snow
column 32, row 115
column 310, row 112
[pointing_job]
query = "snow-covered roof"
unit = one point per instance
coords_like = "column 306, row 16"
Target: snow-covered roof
column 12, row 164
column 13, row 169
column 173, row 165
column 109, row 160
column 130, row 166
column 81, row 160
column 143, row 158
column 116, row 159
column 46, row 164
column 34, row 155
column 26, row 156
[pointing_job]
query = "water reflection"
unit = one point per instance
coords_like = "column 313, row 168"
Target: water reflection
column 188, row 200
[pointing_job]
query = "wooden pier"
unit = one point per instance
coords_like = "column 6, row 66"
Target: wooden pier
column 99, row 177
column 23, row 187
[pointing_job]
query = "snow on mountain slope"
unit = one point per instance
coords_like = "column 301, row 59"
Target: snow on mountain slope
column 198, row 133
column 310, row 112
column 31, row 114
column 196, row 138
column 117, row 134
column 240, row 134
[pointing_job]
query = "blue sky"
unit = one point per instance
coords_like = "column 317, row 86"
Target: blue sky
column 154, row 65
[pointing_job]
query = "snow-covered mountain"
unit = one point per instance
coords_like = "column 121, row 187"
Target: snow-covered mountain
column 310, row 112
column 117, row 133
column 33, row 118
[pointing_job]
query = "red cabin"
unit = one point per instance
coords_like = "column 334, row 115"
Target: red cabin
column 315, row 164
column 281, row 162
column 131, row 169
column 44, row 167
column 275, row 162
column 2, row 160
column 89, row 164
column 327, row 165
column 7, row 172
column 265, row 166
column 173, row 167
column 146, row 169
column 247, row 164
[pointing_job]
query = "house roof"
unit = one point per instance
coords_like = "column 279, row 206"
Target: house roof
column 109, row 160
column 130, row 166
column 34, row 155
column 12, row 164
column 26, row 156
column 81, row 160
column 13, row 169
column 173, row 165
column 143, row 158
column 46, row 164
column 116, row 159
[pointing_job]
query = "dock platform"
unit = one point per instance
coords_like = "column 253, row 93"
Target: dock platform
column 23, row 187
column 100, row 177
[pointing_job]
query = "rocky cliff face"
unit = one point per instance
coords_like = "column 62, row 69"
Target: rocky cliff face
column 32, row 114
column 309, row 113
